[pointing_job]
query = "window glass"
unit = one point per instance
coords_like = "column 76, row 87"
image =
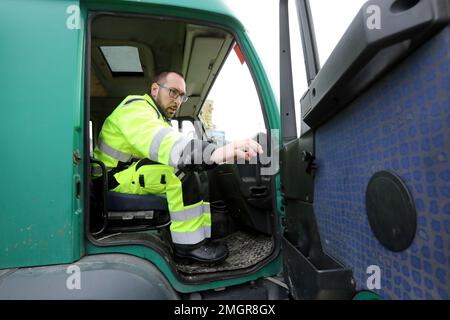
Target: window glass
column 232, row 110
column 331, row 19
column 263, row 30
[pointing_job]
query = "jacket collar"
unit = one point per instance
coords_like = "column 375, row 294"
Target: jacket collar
column 153, row 102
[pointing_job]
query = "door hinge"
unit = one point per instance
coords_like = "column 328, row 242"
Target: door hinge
column 76, row 157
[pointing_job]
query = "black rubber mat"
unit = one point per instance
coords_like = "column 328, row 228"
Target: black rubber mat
column 245, row 250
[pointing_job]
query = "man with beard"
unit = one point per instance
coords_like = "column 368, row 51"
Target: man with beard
column 143, row 154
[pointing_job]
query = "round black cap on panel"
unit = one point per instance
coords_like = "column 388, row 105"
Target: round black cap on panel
column 391, row 211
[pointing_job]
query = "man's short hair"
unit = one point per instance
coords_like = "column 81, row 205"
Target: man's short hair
column 163, row 75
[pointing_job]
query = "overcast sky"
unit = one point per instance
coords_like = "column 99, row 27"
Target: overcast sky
column 232, row 94
column 260, row 17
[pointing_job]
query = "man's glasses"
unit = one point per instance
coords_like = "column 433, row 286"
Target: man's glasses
column 174, row 93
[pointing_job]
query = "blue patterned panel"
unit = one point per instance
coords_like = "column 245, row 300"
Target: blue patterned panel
column 401, row 124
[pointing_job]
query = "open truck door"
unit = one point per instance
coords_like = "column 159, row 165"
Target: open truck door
column 64, row 233
column 366, row 185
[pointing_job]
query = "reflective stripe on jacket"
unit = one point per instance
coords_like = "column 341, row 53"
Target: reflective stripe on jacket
column 137, row 130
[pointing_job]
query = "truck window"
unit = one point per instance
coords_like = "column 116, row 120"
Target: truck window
column 232, row 109
column 217, row 81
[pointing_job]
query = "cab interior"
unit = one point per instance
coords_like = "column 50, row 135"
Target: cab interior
column 125, row 52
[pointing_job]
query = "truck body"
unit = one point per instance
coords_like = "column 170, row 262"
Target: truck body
column 362, row 187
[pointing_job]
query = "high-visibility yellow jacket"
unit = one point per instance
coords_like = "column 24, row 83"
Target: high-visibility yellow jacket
column 137, row 129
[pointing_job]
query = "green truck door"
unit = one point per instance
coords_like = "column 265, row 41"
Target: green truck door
column 41, row 63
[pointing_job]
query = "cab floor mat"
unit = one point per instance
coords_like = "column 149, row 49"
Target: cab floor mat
column 245, row 250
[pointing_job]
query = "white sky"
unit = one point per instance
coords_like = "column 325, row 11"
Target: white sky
column 232, row 93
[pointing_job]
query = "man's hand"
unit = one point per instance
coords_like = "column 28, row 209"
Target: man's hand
column 239, row 149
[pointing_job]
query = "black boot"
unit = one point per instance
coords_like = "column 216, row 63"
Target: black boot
column 206, row 251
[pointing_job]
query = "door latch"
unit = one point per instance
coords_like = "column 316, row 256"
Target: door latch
column 76, row 157
column 311, row 166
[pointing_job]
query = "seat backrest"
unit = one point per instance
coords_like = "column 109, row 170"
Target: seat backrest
column 134, row 202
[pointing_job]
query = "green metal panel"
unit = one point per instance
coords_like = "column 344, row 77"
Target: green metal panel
column 41, row 81
column 210, row 6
